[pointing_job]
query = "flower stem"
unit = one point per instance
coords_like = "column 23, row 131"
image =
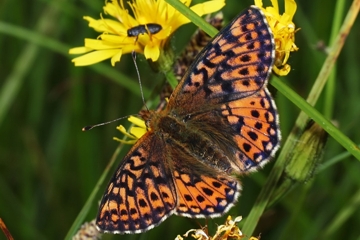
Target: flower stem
column 331, row 82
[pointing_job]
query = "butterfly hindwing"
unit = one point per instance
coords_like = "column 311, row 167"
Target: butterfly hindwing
column 202, row 191
column 141, row 194
column 255, row 129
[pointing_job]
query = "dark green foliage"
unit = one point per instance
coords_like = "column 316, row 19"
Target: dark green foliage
column 49, row 167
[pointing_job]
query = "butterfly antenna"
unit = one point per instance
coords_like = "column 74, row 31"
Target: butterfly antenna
column 133, row 54
column 87, row 128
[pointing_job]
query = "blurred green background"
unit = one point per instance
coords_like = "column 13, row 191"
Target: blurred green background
column 48, row 166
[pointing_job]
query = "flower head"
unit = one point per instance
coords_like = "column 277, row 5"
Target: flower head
column 284, row 32
column 229, row 230
column 145, row 31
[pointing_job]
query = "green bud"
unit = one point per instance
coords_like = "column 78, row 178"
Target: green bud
column 307, row 153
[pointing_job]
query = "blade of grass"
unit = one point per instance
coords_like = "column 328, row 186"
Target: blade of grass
column 317, row 117
column 330, row 85
column 333, row 161
column 344, row 214
column 25, row 61
column 330, row 60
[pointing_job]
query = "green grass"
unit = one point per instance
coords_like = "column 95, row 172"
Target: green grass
column 52, row 174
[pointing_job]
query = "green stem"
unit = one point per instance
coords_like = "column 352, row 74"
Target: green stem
column 317, row 117
column 343, row 215
column 171, row 79
column 331, row 59
column 331, row 83
column 90, row 201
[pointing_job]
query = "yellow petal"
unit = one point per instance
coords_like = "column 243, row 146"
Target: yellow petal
column 121, row 15
column 275, row 5
column 285, row 19
column 114, row 10
column 283, row 71
column 131, row 48
column 94, row 57
column 114, row 27
column 79, row 50
column 96, row 44
column 116, row 58
column 152, row 52
column 111, row 9
column 97, row 25
column 208, row 7
column 200, row 9
column 122, row 129
column 137, row 121
column 137, row 131
column 164, row 33
column 258, row 3
column 272, row 12
column 117, row 40
column 290, row 8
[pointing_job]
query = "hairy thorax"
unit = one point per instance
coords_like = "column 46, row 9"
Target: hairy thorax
column 180, row 132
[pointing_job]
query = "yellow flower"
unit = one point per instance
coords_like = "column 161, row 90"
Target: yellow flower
column 284, row 33
column 135, row 132
column 152, row 22
column 229, row 230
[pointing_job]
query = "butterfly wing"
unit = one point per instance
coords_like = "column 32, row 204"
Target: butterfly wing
column 141, row 194
column 202, row 190
column 228, row 81
column 236, row 64
column 255, row 129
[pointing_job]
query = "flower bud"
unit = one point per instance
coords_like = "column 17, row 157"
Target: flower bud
column 307, row 153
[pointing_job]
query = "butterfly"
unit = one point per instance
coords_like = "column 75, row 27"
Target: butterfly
column 220, row 121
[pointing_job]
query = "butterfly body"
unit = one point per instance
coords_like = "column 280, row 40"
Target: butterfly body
column 199, row 139
column 220, row 121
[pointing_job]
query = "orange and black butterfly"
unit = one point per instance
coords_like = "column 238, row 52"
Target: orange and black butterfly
column 220, row 121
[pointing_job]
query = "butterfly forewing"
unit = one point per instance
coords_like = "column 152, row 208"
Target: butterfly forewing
column 229, row 79
column 236, row 64
column 141, row 194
